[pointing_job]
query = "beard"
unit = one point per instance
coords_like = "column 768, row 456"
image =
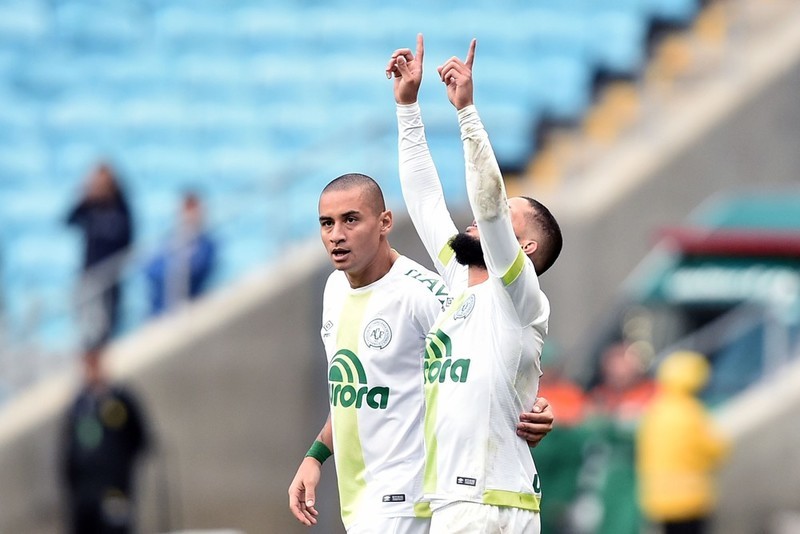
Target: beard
column 468, row 250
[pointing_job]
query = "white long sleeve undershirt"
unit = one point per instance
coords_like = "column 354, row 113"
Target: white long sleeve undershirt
column 423, row 195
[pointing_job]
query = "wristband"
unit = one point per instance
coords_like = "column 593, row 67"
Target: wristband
column 319, row 451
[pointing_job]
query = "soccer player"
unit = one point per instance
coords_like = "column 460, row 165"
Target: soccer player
column 482, row 356
column 377, row 308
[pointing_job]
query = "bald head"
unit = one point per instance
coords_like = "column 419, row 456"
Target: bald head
column 369, row 188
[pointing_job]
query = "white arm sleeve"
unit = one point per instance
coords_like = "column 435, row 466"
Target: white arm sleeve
column 487, row 197
column 423, row 195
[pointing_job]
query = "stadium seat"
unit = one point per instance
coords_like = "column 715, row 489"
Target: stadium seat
column 81, row 117
column 90, row 26
column 24, row 163
column 563, row 88
column 618, row 41
column 24, row 24
column 677, row 12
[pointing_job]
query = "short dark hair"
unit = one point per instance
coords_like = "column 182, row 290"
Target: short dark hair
column 550, row 241
column 363, row 182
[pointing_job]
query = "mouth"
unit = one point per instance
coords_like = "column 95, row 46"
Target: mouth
column 339, row 254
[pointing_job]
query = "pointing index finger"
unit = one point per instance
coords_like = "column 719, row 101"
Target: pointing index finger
column 420, row 48
column 471, row 53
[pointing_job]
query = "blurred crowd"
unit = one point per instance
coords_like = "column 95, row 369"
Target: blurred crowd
column 177, row 271
column 105, row 429
column 634, row 451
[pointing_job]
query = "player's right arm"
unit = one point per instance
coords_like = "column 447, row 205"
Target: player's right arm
column 419, row 180
column 303, row 489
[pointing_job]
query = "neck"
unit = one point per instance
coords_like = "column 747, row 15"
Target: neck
column 376, row 270
column 477, row 275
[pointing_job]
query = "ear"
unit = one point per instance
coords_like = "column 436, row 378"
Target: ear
column 529, row 247
column 386, row 221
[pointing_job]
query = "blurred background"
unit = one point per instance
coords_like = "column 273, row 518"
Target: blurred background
column 160, row 165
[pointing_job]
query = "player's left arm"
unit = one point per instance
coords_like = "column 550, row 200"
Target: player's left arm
column 487, row 197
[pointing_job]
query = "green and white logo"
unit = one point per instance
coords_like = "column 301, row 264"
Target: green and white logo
column 348, row 384
column 439, row 362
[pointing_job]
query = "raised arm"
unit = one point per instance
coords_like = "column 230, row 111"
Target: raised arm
column 419, row 180
column 502, row 251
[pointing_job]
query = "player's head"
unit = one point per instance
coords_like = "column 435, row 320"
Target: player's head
column 536, row 230
column 354, row 222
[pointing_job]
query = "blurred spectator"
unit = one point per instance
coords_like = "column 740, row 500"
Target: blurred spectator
column 181, row 270
column 558, row 458
column 678, row 449
column 104, row 218
column 607, row 479
column 624, row 389
column 104, row 435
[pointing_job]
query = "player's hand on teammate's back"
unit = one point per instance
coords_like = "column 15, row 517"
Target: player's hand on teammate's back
column 302, row 492
column 407, row 71
column 537, row 423
column 457, row 75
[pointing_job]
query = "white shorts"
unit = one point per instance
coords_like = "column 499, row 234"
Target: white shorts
column 475, row 518
column 391, row 525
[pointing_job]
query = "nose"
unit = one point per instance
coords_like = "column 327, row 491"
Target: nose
column 337, row 235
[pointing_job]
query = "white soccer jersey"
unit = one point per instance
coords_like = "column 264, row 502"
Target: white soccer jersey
column 482, row 361
column 374, row 338
column 481, row 371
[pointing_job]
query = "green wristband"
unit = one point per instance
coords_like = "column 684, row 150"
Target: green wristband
column 319, row 451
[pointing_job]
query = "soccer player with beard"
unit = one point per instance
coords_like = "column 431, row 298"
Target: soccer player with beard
column 483, row 354
column 378, row 307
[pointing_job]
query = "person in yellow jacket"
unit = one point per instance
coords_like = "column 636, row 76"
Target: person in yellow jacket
column 678, row 448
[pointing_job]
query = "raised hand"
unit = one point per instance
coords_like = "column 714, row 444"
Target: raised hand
column 407, row 70
column 457, row 75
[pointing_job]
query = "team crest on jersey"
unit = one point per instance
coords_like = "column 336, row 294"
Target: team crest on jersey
column 377, row 334
column 466, row 308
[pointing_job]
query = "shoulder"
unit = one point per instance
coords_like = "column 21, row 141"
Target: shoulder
column 417, row 280
column 335, row 280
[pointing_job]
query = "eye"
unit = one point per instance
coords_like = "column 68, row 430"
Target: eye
column 351, row 219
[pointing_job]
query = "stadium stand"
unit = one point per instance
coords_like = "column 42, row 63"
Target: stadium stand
column 230, row 371
column 250, row 103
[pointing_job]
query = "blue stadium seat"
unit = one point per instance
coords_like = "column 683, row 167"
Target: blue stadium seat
column 161, row 118
column 91, row 26
column 47, row 74
column 182, row 27
column 24, row 163
column 673, row 11
column 44, row 259
column 126, row 74
column 81, row 117
column 617, row 41
column 563, row 86
column 24, row 24
column 176, row 166
column 71, row 162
